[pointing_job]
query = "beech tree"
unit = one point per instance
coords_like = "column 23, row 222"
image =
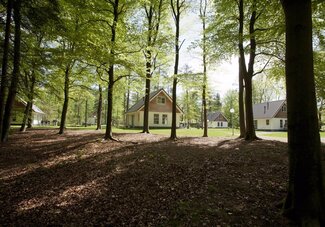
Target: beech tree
column 306, row 198
column 203, row 17
column 154, row 13
column 4, row 68
column 15, row 74
column 178, row 7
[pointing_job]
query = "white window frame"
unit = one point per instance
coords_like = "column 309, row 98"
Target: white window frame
column 156, row 119
column 161, row 100
column 164, row 119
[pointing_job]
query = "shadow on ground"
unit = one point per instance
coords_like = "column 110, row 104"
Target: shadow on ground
column 47, row 179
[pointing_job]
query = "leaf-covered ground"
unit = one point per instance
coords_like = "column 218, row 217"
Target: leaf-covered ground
column 145, row 180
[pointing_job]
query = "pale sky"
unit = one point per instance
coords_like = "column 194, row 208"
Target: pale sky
column 222, row 76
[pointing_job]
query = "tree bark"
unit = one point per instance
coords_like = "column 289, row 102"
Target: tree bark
column 176, row 14
column 29, row 106
column 4, row 79
column 15, row 74
column 147, row 94
column 86, row 114
column 242, row 125
column 66, row 99
column 305, row 199
column 204, row 102
column 25, row 118
column 109, row 133
column 248, row 76
column 100, row 108
column 242, row 70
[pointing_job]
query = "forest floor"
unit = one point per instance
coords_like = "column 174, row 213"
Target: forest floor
column 143, row 180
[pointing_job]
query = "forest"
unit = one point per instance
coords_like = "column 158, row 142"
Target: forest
column 84, row 63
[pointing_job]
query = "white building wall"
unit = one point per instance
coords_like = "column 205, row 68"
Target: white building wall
column 138, row 119
column 214, row 124
column 274, row 124
column 169, row 119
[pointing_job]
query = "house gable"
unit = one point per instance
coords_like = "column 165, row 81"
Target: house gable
column 282, row 112
column 216, row 116
column 159, row 101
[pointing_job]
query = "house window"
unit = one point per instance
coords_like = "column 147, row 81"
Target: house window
column 281, row 123
column 156, row 119
column 218, row 124
column 161, row 100
column 164, row 119
column 221, row 124
column 284, row 108
column 267, row 122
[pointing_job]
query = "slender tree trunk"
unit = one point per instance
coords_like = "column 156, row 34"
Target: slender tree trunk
column 305, row 199
column 15, row 74
column 187, row 110
column 4, row 79
column 242, row 70
column 66, row 99
column 148, row 56
column 176, row 14
column 29, row 106
column 25, row 118
column 241, row 106
column 30, row 116
column 147, row 94
column 109, row 133
column 86, row 113
column 250, row 129
column 99, row 109
column 204, row 102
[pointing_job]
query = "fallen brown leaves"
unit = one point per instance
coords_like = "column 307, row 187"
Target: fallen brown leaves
column 145, row 180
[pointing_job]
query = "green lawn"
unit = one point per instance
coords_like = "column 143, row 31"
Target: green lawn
column 281, row 134
column 192, row 132
column 184, row 132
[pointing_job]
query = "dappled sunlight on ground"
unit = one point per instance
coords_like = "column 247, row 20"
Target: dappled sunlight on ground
column 144, row 179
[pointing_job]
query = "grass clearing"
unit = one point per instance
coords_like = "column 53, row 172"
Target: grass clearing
column 281, row 134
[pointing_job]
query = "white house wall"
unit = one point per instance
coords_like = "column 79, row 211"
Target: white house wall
column 138, row 119
column 274, row 124
column 214, row 124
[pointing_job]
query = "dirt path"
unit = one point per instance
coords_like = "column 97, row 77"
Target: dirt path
column 146, row 180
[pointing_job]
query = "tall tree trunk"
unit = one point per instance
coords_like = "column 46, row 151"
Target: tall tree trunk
column 86, row 114
column 100, row 108
column 4, row 79
column 153, row 16
column 66, row 99
column 242, row 70
column 29, row 106
column 242, row 125
column 30, row 116
column 305, row 199
column 15, row 74
column 109, row 133
column 176, row 14
column 147, row 94
column 250, row 129
column 25, row 118
column 204, row 101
